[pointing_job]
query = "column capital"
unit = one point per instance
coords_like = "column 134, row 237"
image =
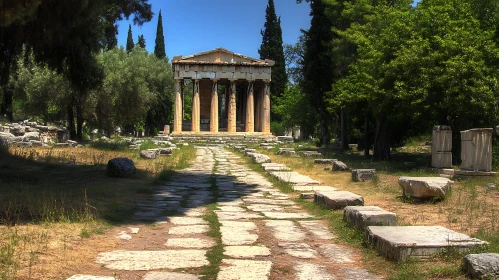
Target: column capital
column 250, row 80
column 232, row 80
column 267, row 81
column 215, row 80
column 177, row 79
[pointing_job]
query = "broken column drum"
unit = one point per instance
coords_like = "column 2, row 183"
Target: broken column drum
column 222, row 80
column 441, row 147
column 476, row 149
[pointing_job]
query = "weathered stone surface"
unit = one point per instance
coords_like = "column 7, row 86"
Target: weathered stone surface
column 260, row 158
column 238, row 233
column 285, row 138
column 285, row 231
column 248, row 151
column 149, row 154
column 336, row 254
column 317, row 229
column 246, row 251
column 286, row 215
column 264, row 207
column 298, row 188
column 309, row 271
column 400, row 242
column 90, row 277
column 120, row 167
column 197, row 243
column 338, row 199
column 286, row 151
column 324, row 161
column 482, row 266
column 6, row 138
column 191, row 229
column 280, row 167
column 237, row 215
column 156, row 275
column 361, row 175
column 364, row 216
column 299, row 250
column 293, row 178
column 310, row 154
column 244, row 270
column 354, row 273
column 307, row 195
column 31, row 136
column 425, row 187
column 188, row 221
column 150, row 260
column 339, row 166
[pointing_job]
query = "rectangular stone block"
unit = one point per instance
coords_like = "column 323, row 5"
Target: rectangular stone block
column 476, row 149
column 364, row 216
column 441, row 159
column 397, row 243
column 293, row 178
column 298, row 188
column 324, row 161
column 338, row 199
column 361, row 175
column 441, row 140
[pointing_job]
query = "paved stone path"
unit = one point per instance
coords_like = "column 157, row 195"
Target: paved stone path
column 264, row 234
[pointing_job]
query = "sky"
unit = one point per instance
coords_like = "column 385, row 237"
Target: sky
column 193, row 26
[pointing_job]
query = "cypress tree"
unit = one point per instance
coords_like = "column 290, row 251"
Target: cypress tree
column 159, row 48
column 141, row 41
column 271, row 48
column 110, row 32
column 129, row 40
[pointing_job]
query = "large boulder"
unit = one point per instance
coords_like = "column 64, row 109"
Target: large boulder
column 120, row 167
column 149, row 154
column 260, row 158
column 482, row 266
column 425, row 187
column 18, row 130
column 339, row 166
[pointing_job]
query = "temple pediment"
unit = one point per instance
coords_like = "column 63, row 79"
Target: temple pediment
column 221, row 56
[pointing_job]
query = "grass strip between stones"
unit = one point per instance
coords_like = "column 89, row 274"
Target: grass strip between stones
column 215, row 254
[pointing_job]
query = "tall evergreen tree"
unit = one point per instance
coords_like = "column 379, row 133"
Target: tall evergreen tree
column 129, row 40
column 159, row 48
column 110, row 32
column 141, row 41
column 271, row 48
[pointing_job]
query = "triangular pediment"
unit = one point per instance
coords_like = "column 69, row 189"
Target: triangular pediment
column 221, row 56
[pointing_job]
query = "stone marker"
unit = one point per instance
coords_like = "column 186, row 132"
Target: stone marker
column 339, row 166
column 482, row 266
column 324, row 161
column 120, row 167
column 425, row 187
column 338, row 199
column 397, row 243
column 364, row 216
column 90, row 277
column 361, row 175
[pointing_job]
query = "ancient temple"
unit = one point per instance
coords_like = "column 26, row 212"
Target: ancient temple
column 231, row 94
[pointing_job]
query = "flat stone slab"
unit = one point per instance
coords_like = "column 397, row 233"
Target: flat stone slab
column 293, row 178
column 482, row 266
column 299, row 188
column 231, row 209
column 156, row 275
column 268, row 201
column 151, row 260
column 244, row 270
column 364, row 216
column 277, row 168
column 361, row 175
column 420, row 242
column 188, row 221
column 286, row 215
column 90, row 277
column 246, row 251
column 308, row 271
column 338, row 199
column 185, row 230
column 237, row 215
column 285, row 231
column 353, row 273
column 192, row 243
column 319, row 230
column 336, row 254
column 238, row 233
column 299, row 250
column 425, row 187
column 264, row 207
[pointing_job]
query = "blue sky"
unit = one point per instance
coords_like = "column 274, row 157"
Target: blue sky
column 192, row 26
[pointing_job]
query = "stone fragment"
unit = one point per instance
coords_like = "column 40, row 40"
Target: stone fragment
column 124, row 236
column 31, row 136
column 310, row 154
column 260, row 158
column 151, row 260
column 397, row 243
column 149, row 154
column 285, row 138
column 339, row 166
column 246, row 251
column 482, row 266
column 244, row 270
column 156, row 275
column 6, row 138
column 324, row 161
column 338, row 199
column 90, row 277
column 196, row 243
column 298, row 188
column 286, row 151
column 293, row 178
column 361, row 175
column 425, row 187
column 120, row 167
column 185, row 230
column 364, row 216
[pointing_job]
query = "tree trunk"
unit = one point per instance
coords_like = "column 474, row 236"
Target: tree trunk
column 79, row 122
column 325, row 128
column 366, row 135
column 6, row 107
column 344, row 132
column 71, row 121
column 382, row 140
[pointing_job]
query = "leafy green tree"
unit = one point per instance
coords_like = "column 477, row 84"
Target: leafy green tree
column 141, row 41
column 159, row 47
column 129, row 40
column 272, row 48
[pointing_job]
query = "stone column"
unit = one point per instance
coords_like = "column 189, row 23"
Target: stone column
column 214, row 107
column 231, row 128
column 266, row 108
column 250, row 109
column 258, row 105
column 260, row 109
column 183, row 101
column 196, row 109
column 177, row 118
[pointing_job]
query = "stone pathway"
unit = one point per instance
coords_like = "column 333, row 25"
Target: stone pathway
column 264, row 234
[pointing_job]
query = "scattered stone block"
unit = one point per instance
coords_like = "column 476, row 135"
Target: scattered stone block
column 31, row 136
column 425, row 187
column 293, row 178
column 324, row 161
column 339, row 166
column 120, row 167
column 361, row 175
column 364, row 216
column 286, row 151
column 298, row 188
column 277, row 167
column 310, row 154
column 285, row 138
column 307, row 195
column 260, row 158
column 398, row 243
column 482, row 266
column 338, row 199
column 149, row 154
column 247, row 151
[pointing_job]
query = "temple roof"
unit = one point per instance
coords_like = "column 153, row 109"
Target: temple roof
column 221, row 56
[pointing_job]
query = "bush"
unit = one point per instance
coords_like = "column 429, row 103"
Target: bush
column 277, row 128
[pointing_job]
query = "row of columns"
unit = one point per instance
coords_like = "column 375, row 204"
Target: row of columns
column 260, row 121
